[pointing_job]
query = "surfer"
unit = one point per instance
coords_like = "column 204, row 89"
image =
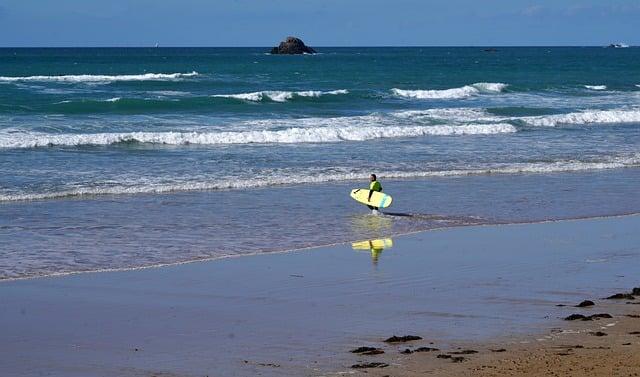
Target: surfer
column 374, row 185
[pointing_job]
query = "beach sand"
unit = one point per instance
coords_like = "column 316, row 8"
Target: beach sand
column 301, row 313
column 604, row 347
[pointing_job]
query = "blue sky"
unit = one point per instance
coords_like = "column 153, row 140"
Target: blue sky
column 318, row 22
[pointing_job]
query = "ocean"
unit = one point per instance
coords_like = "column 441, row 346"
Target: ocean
column 119, row 158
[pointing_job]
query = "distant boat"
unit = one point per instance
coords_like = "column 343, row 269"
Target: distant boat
column 157, row 44
column 618, row 45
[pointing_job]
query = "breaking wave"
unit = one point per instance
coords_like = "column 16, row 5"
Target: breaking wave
column 596, row 87
column 101, row 78
column 278, row 95
column 454, row 93
column 290, row 178
column 584, row 117
column 290, row 135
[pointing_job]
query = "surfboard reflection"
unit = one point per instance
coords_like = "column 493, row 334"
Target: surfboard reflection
column 375, row 247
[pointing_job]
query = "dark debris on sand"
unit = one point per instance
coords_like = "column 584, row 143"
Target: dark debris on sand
column 401, row 339
column 498, row 350
column 621, row 296
column 463, row 352
column 367, row 351
column 454, row 359
column 581, row 317
column 598, row 333
column 585, row 303
column 369, row 365
column 407, row 351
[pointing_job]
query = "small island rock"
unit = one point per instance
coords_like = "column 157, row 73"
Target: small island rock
column 291, row 46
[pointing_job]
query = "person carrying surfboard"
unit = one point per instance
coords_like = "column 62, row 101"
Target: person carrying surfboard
column 374, row 185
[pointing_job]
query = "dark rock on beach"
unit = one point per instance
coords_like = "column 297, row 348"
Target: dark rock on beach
column 400, row 339
column 376, row 351
column 407, row 351
column 585, row 304
column 598, row 333
column 499, row 350
column 454, row 359
column 425, row 349
column 575, row 317
column 601, row 315
column 369, row 365
column 292, row 46
column 363, row 349
column 621, row 296
column 463, row 352
column 636, row 291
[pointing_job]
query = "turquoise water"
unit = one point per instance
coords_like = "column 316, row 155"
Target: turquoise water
column 117, row 158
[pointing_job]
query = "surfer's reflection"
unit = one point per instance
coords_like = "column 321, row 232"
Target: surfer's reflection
column 375, row 247
column 369, row 226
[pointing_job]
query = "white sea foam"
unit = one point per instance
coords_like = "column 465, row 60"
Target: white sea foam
column 455, row 115
column 596, row 87
column 279, row 95
column 100, row 78
column 114, row 99
column 169, row 93
column 585, row 117
column 295, row 178
column 289, row 135
column 453, row 93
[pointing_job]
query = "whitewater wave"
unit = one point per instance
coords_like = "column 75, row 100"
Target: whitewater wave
column 453, row 93
column 286, row 136
column 264, row 180
column 584, row 117
column 596, row 87
column 101, row 78
column 279, row 95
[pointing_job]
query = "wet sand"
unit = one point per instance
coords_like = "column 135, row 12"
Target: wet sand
column 300, row 313
column 599, row 347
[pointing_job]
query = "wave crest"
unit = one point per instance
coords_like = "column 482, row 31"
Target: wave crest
column 596, row 87
column 279, row 95
column 585, row 117
column 286, row 136
column 101, row 78
column 453, row 93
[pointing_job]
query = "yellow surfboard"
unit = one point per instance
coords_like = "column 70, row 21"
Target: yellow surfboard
column 378, row 199
column 385, row 243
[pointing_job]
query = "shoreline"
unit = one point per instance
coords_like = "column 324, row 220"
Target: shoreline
column 303, row 249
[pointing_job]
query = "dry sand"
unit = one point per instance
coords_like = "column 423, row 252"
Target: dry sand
column 577, row 348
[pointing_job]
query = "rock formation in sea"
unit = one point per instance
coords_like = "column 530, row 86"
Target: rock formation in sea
column 291, row 46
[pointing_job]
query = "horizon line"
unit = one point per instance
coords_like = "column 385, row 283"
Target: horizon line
column 318, row 46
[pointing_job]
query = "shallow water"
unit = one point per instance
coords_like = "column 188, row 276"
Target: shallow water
column 115, row 158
